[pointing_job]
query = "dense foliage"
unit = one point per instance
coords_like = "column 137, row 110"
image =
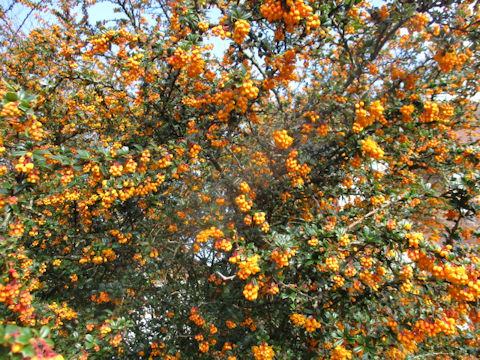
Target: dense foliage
column 215, row 179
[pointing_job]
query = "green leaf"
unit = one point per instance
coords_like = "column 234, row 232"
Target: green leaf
column 10, row 329
column 44, row 331
column 28, row 351
column 25, row 336
column 19, row 153
column 11, row 96
column 339, row 342
column 83, row 154
column 23, row 107
column 358, row 349
column 62, row 159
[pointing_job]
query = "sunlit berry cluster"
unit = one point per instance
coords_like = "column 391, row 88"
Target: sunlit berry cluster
column 311, row 324
column 263, row 352
column 250, row 291
column 364, row 118
column 243, row 204
column 313, row 22
column 203, row 26
column 204, row 346
column 259, row 218
column 414, row 239
column 448, row 60
column 244, row 187
column 242, row 28
column 297, row 10
column 193, row 62
column 371, row 149
column 340, row 353
column 332, row 263
column 102, row 43
column 10, row 109
column 36, row 130
column 383, row 12
column 223, row 244
column 295, row 171
column 339, row 281
column 419, row 21
column 194, row 151
column 281, row 257
column 282, row 139
column 130, row 166
column 272, row 10
column 25, row 163
column 213, row 232
column 248, row 266
column 376, row 110
column 134, row 61
column 430, row 113
column 298, row 319
column 67, row 177
column 249, row 90
column 116, row 169
column 221, row 32
column 406, row 111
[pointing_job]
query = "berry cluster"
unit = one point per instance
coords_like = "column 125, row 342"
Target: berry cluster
column 282, row 139
column 250, row 291
column 242, row 28
column 371, row 149
column 263, row 352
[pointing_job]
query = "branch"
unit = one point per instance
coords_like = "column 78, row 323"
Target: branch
column 378, row 47
column 453, row 230
column 225, row 278
column 371, row 213
column 26, row 17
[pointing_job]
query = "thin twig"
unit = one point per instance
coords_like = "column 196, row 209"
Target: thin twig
column 225, row 278
column 371, row 213
column 28, row 15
